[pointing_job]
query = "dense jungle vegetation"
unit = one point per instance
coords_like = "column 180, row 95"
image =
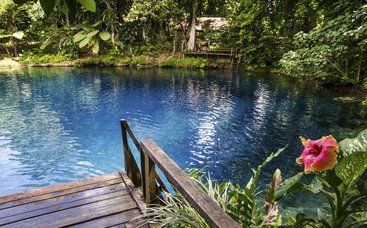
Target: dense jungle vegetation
column 322, row 40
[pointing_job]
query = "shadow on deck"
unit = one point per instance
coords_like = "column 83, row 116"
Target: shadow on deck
column 105, row 201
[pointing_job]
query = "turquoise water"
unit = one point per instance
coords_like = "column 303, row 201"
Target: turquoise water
column 59, row 125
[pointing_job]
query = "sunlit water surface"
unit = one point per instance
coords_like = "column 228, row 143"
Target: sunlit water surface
column 60, row 125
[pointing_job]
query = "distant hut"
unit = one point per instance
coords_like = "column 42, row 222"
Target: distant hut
column 206, row 28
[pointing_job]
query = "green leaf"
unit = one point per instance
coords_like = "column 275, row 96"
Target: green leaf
column 95, row 48
column 18, row 35
column 329, row 177
column 252, row 183
column 352, row 145
column 243, row 207
column 360, row 204
column 97, row 23
column 3, row 34
column 276, row 180
column 315, row 186
column 352, row 167
column 71, row 4
column 84, row 42
column 88, row 5
column 19, row 2
column 79, row 36
column 105, row 35
column 44, row 45
column 291, row 220
column 93, row 33
column 47, row 5
column 64, row 8
column 283, row 188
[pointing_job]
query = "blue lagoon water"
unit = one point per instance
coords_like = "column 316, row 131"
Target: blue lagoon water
column 59, row 125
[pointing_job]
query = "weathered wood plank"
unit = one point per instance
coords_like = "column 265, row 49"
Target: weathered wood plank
column 136, row 193
column 64, row 206
column 110, row 220
column 40, row 191
column 125, row 127
column 62, row 199
column 131, row 134
column 79, row 214
column 149, row 176
column 65, row 191
column 132, row 169
column 197, row 198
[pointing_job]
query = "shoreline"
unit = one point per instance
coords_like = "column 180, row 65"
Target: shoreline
column 352, row 93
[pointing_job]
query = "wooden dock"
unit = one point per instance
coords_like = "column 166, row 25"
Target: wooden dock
column 233, row 55
column 105, row 201
column 111, row 200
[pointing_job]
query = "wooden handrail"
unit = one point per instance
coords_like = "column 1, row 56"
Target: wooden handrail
column 205, row 206
column 151, row 155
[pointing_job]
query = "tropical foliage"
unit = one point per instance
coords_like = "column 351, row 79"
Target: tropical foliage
column 318, row 40
column 338, row 176
column 333, row 52
column 308, row 39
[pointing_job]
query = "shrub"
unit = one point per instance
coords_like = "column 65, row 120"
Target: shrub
column 140, row 60
column 29, row 58
column 333, row 52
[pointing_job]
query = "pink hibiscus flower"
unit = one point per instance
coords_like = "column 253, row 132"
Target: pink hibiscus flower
column 318, row 155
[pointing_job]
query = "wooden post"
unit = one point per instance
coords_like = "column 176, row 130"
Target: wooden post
column 150, row 188
column 131, row 167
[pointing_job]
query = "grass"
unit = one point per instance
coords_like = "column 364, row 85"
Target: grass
column 114, row 60
column 30, row 58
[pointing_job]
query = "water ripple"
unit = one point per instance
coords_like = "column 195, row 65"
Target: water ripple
column 59, row 125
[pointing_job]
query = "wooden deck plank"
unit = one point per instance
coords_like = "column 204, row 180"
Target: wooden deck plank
column 79, row 214
column 62, row 200
column 111, row 220
column 59, row 192
column 104, row 201
column 40, row 191
column 136, row 193
column 60, row 207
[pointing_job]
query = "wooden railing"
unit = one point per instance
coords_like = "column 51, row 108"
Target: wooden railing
column 150, row 156
column 233, row 54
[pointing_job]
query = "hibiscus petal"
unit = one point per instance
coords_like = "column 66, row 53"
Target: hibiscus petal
column 324, row 161
column 308, row 162
column 307, row 151
column 331, row 144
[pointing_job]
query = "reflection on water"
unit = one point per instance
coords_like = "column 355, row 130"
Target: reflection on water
column 58, row 125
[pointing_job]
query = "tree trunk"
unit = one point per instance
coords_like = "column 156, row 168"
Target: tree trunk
column 67, row 19
column 192, row 37
column 174, row 43
column 113, row 37
column 144, row 36
column 14, row 46
column 10, row 27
